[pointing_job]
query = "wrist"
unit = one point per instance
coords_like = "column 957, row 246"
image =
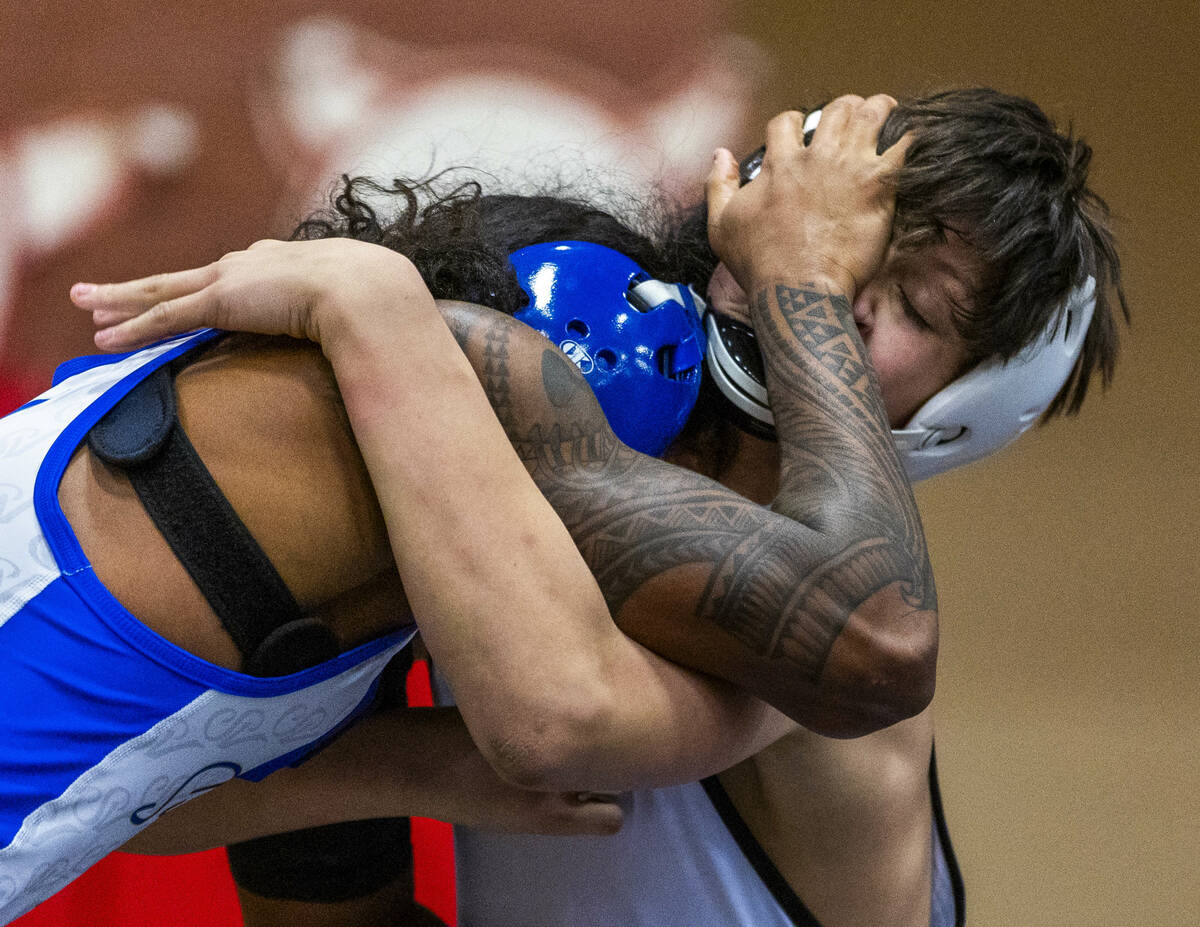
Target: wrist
column 825, row 278
column 373, row 292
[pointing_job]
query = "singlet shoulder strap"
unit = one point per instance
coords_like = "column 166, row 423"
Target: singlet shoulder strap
column 142, row 436
column 784, row 895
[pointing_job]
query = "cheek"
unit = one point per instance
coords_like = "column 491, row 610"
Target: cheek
column 909, row 373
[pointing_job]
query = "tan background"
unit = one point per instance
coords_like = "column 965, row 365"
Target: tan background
column 1067, row 568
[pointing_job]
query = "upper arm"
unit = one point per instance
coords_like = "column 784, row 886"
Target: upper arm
column 693, row 570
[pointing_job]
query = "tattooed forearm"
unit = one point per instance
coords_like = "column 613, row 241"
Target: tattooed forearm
column 829, row 415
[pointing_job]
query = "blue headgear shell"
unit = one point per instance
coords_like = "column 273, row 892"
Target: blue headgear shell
column 638, row 341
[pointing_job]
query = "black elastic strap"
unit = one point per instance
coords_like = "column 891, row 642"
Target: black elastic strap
column 141, row 435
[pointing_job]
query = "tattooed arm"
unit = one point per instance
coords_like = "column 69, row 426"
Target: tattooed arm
column 689, row 568
column 823, row 606
column 801, row 239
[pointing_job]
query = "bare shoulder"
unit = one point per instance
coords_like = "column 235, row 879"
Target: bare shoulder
column 265, row 417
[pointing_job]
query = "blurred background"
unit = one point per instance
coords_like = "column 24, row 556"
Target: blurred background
column 137, row 137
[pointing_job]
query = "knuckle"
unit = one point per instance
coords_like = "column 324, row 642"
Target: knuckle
column 846, row 101
column 152, row 286
column 781, row 120
column 160, row 312
column 877, row 106
column 219, row 290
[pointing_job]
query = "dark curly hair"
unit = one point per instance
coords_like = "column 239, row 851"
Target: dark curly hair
column 460, row 238
column 984, row 165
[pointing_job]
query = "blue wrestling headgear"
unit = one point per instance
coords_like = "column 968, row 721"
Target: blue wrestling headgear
column 638, row 341
column 979, row 413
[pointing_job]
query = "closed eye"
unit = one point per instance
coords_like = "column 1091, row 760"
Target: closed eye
column 910, row 311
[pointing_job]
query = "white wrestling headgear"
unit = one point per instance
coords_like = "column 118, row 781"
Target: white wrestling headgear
column 985, row 409
column 996, row 402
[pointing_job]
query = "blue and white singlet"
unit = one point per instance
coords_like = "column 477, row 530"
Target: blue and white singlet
column 104, row 724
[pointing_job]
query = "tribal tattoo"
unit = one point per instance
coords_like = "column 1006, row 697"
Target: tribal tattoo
column 782, row 582
column 819, row 378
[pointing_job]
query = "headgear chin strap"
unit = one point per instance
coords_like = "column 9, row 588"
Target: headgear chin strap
column 638, row 341
column 982, row 411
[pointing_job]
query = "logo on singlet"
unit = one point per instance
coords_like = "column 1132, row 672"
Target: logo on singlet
column 199, row 782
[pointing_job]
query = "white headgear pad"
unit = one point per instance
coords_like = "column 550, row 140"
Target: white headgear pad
column 991, row 405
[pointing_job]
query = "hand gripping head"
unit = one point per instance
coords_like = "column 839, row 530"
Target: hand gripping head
column 976, row 415
column 637, row 341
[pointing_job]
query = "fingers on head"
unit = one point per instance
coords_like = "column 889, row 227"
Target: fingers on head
column 875, row 109
column 862, row 117
column 721, row 185
column 724, row 169
column 838, row 112
column 895, row 153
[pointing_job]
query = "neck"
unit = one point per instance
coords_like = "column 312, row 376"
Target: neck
column 753, row 471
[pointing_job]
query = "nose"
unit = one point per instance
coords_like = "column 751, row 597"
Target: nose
column 864, row 311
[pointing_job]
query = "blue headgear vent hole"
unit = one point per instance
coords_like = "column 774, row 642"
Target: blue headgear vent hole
column 664, row 359
column 578, row 327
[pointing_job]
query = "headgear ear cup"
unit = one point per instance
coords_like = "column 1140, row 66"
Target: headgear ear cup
column 638, row 341
column 736, row 367
column 993, row 404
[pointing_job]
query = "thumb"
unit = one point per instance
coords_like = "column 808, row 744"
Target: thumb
column 721, row 185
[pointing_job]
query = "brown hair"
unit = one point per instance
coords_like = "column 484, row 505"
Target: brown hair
column 994, row 169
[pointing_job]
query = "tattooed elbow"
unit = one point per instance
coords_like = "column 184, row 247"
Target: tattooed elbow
column 881, row 671
column 909, row 677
